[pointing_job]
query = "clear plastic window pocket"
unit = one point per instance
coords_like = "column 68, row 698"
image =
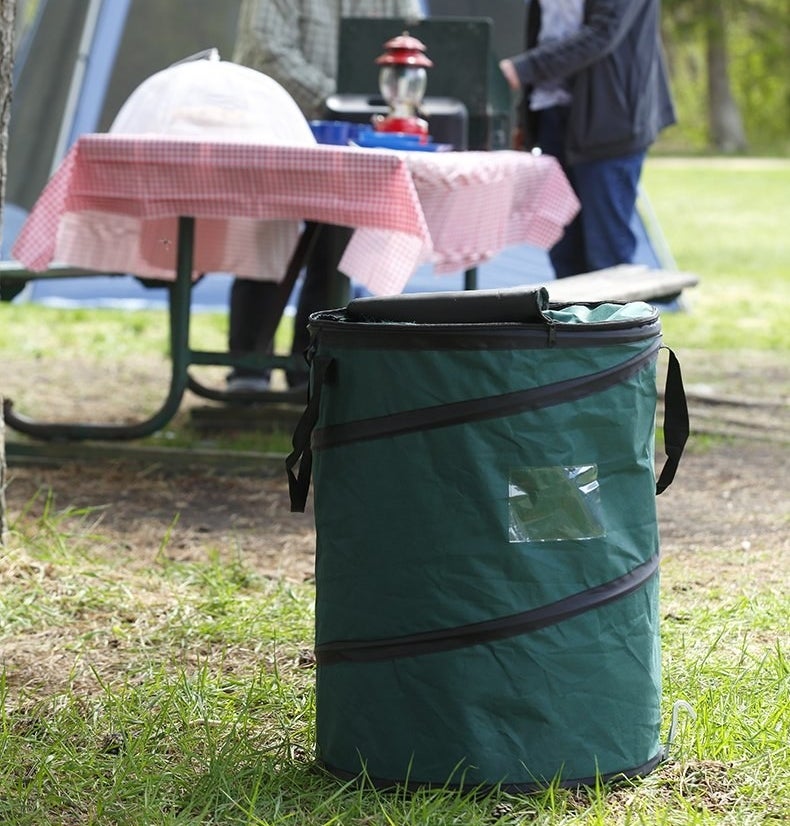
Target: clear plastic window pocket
column 549, row 504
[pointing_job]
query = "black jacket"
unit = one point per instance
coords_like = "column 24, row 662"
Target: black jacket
column 615, row 65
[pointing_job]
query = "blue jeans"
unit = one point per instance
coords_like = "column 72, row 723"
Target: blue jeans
column 600, row 236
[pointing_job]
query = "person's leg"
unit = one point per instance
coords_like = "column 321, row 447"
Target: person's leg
column 607, row 190
column 550, row 127
column 316, row 290
column 251, row 310
column 567, row 255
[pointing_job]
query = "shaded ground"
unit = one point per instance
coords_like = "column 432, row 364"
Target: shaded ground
column 729, row 493
column 730, row 496
column 189, row 515
column 724, row 522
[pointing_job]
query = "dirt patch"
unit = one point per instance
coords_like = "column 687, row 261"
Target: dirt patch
column 188, row 516
column 729, row 493
column 724, row 521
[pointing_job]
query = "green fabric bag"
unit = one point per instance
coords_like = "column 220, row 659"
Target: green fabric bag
column 487, row 541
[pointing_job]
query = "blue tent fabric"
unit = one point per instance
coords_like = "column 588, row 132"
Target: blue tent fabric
column 513, row 267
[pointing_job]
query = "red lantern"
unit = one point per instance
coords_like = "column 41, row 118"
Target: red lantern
column 402, row 82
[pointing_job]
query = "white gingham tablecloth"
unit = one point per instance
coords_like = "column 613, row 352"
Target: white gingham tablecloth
column 113, row 206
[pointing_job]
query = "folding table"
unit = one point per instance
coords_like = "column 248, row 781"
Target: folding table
column 173, row 208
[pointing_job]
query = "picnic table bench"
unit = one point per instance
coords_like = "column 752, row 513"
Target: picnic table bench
column 627, row 282
column 623, row 283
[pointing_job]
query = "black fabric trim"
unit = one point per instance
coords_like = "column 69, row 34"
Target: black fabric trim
column 450, row 639
column 475, row 410
column 484, row 788
column 335, row 332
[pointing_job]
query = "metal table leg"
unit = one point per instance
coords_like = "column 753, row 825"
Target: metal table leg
column 181, row 356
column 179, row 312
column 299, row 258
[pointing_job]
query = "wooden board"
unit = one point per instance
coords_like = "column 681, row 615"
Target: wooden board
column 628, row 282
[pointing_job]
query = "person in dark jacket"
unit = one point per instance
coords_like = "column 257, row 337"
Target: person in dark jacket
column 608, row 62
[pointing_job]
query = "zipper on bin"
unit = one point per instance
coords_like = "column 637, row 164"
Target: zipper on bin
column 552, row 331
column 381, row 335
column 481, row 409
column 479, row 633
column 462, row 337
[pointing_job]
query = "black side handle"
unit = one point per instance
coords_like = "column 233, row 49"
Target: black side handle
column 676, row 422
column 299, row 463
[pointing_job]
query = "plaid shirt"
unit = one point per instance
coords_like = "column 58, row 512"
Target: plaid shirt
column 295, row 41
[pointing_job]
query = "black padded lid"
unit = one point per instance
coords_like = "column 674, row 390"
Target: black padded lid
column 519, row 305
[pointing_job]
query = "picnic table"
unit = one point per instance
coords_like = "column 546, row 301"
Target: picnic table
column 173, row 208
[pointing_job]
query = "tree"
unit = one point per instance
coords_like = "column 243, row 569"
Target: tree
column 759, row 68
column 694, row 23
column 724, row 117
column 7, row 15
column 729, row 63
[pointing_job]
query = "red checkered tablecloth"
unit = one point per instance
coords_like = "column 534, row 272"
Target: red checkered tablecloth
column 113, row 206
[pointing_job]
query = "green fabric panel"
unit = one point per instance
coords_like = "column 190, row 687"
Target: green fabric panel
column 570, row 700
column 369, row 383
column 412, row 531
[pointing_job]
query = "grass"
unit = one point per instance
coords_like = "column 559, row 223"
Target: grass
column 103, row 340
column 189, row 699
column 181, row 692
column 727, row 222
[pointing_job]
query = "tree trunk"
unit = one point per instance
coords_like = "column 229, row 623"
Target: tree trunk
column 7, row 9
column 3, row 526
column 725, row 123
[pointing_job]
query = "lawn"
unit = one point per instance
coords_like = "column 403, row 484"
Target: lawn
column 727, row 221
column 168, row 687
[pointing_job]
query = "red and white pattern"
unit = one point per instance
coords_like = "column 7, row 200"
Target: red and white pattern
column 113, row 206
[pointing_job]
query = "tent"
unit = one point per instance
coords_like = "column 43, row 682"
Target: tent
column 77, row 61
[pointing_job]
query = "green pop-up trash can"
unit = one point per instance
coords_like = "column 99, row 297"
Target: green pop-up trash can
column 487, row 541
